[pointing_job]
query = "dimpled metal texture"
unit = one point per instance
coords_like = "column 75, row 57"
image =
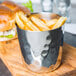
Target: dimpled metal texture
column 40, row 48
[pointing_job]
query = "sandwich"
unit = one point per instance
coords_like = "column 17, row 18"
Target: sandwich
column 7, row 24
column 15, row 7
column 8, row 10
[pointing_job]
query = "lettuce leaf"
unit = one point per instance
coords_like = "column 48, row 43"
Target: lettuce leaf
column 8, row 36
column 1, row 36
column 28, row 5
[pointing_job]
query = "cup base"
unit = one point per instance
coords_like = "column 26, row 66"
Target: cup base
column 39, row 69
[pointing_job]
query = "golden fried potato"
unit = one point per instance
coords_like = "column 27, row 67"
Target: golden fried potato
column 27, row 22
column 34, row 23
column 51, row 23
column 23, row 16
column 19, row 22
column 44, row 20
column 40, row 24
column 33, row 27
column 60, row 22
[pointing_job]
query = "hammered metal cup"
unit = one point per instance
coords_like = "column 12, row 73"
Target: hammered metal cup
column 42, row 50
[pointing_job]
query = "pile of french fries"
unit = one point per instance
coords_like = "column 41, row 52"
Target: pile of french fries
column 34, row 23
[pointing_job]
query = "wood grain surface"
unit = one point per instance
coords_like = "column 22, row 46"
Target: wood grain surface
column 11, row 55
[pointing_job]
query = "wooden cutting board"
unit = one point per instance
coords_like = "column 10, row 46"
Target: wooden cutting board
column 11, row 55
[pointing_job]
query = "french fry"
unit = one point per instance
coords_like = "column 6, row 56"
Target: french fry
column 33, row 27
column 27, row 22
column 60, row 22
column 51, row 23
column 23, row 17
column 44, row 20
column 35, row 24
column 19, row 22
column 40, row 24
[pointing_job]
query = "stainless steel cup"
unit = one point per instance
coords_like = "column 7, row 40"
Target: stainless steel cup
column 42, row 50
